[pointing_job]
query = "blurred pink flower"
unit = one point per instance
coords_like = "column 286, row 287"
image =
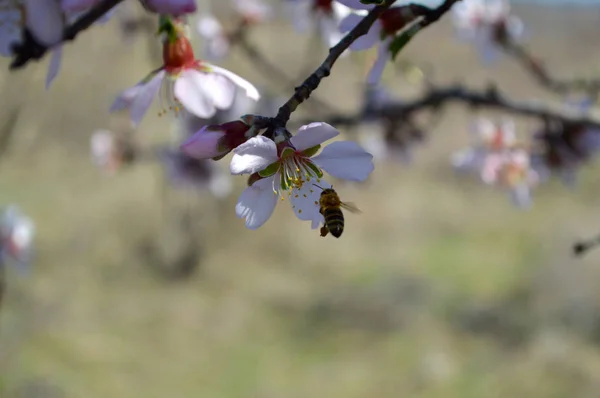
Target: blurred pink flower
column 487, row 24
column 322, row 15
column 172, row 7
column 511, row 170
column 381, row 33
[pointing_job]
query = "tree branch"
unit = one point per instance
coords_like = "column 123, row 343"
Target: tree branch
column 489, row 98
column 239, row 38
column 303, row 92
column 31, row 49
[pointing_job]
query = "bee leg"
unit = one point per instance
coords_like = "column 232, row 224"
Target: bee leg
column 324, row 231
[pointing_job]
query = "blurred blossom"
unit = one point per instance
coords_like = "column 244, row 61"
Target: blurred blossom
column 292, row 168
column 381, row 34
column 215, row 43
column 487, row 24
column 109, row 152
column 172, row 7
column 186, row 172
column 487, row 137
column 511, row 170
column 17, row 233
column 253, row 11
column 321, row 15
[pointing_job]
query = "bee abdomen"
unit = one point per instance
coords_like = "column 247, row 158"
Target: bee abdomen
column 334, row 220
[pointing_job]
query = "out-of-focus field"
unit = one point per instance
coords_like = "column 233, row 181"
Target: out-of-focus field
column 439, row 289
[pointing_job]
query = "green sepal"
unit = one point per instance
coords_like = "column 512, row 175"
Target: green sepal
column 402, row 40
column 287, row 152
column 376, row 2
column 310, row 152
column 166, row 26
column 318, row 172
column 269, row 170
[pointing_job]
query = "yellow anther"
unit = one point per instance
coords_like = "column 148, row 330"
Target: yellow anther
column 299, row 211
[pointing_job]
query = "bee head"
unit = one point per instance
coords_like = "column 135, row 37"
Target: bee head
column 326, row 191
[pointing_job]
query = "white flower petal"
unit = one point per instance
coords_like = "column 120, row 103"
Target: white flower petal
column 253, row 155
column 220, row 89
column 251, row 91
column 190, row 92
column 144, row 97
column 305, row 200
column 369, row 40
column 317, row 221
column 383, row 56
column 45, row 21
column 349, row 22
column 346, row 160
column 356, row 4
column 256, row 203
column 54, row 67
column 313, row 134
column 300, row 14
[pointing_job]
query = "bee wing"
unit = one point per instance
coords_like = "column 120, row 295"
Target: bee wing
column 351, row 207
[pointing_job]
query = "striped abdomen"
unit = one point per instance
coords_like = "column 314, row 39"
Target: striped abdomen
column 334, row 221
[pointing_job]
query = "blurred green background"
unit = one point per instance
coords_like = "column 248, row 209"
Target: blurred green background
column 439, row 289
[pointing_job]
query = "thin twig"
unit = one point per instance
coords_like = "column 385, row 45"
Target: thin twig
column 543, row 76
column 31, row 49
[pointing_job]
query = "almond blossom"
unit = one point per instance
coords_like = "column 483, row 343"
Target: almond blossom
column 487, row 137
column 327, row 14
column 511, row 170
column 382, row 33
column 200, row 87
column 487, row 24
column 16, row 238
column 294, row 168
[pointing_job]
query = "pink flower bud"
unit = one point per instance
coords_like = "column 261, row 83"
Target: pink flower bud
column 173, row 7
column 216, row 141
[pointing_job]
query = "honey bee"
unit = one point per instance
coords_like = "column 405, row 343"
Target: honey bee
column 331, row 208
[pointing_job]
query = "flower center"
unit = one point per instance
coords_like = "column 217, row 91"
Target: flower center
column 392, row 20
column 177, row 54
column 323, row 5
column 296, row 169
